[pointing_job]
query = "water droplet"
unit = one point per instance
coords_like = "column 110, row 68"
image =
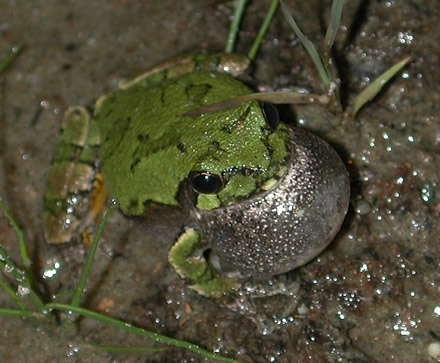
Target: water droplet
column 427, row 192
column 23, row 290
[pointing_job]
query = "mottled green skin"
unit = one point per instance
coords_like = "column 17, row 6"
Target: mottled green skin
column 149, row 148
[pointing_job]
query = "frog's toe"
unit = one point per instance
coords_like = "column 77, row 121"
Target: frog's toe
column 186, row 256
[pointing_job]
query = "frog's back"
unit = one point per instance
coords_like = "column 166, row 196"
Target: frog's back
column 149, row 147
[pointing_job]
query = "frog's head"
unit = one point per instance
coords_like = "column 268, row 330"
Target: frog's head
column 284, row 227
column 247, row 156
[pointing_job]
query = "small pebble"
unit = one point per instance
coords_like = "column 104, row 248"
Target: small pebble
column 434, row 350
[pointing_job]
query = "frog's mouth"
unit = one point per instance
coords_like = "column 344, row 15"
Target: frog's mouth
column 288, row 224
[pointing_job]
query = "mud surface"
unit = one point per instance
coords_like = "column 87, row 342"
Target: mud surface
column 372, row 296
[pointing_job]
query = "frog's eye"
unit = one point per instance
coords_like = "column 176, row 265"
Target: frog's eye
column 206, row 183
column 271, row 115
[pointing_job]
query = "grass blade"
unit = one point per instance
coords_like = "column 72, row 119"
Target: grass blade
column 79, row 290
column 9, row 267
column 25, row 278
column 119, row 349
column 22, row 242
column 369, row 92
column 11, row 292
column 335, row 20
column 308, row 45
column 233, row 29
column 263, row 29
column 159, row 338
column 15, row 312
column 15, row 51
column 276, row 97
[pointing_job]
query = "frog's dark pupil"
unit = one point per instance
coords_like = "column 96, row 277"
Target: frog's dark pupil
column 206, row 183
column 271, row 114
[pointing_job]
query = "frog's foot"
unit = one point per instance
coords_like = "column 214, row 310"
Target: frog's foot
column 204, row 278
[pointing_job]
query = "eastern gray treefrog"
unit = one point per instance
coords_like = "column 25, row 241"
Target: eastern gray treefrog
column 266, row 198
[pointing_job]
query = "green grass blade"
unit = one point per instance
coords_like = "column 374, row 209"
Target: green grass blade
column 15, row 51
column 25, row 278
column 308, row 45
column 16, row 312
column 79, row 290
column 263, row 29
column 11, row 292
column 374, row 88
column 159, row 338
column 22, row 242
column 233, row 29
column 9, row 267
column 335, row 20
column 119, row 349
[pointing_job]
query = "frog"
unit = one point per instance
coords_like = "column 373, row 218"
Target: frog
column 263, row 197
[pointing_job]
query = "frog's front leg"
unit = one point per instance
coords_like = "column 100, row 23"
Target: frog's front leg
column 187, row 259
column 74, row 189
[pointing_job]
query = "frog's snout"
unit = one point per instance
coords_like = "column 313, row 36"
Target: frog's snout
column 290, row 224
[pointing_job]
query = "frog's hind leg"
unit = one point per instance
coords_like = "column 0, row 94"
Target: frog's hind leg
column 73, row 178
column 234, row 64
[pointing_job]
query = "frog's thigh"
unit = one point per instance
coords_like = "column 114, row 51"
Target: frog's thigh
column 71, row 176
column 204, row 278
